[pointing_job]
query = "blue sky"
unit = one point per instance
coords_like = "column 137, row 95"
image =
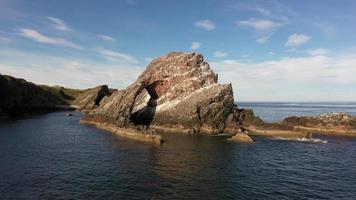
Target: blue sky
column 269, row 50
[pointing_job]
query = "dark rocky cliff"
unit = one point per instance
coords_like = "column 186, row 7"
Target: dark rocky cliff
column 19, row 97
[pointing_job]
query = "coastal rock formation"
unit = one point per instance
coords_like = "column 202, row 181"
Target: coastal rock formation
column 339, row 124
column 177, row 92
column 325, row 120
column 90, row 98
column 332, row 123
column 19, row 97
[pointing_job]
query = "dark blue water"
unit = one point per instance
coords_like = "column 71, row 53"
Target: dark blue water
column 277, row 111
column 53, row 157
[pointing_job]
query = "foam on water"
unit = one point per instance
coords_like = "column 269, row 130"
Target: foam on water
column 310, row 140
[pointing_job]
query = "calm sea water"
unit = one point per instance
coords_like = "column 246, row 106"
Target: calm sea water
column 53, row 157
column 277, row 111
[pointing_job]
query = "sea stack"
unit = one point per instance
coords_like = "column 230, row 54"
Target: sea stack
column 177, row 92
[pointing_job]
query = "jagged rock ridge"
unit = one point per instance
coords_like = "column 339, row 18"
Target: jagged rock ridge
column 177, row 91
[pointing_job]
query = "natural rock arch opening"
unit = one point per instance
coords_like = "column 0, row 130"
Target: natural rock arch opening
column 145, row 104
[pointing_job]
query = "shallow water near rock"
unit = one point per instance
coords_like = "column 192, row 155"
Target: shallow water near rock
column 52, row 156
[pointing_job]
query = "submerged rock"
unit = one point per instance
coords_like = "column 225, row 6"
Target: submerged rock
column 177, row 91
column 90, row 98
column 241, row 138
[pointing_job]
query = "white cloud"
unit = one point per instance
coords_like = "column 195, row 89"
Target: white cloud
column 195, row 45
column 66, row 71
column 117, row 56
column 220, row 54
column 296, row 40
column 259, row 24
column 59, row 24
column 38, row 37
column 310, row 78
column 264, row 28
column 205, row 24
column 318, row 52
column 106, row 38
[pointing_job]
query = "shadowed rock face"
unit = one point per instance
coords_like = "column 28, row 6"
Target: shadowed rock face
column 19, row 97
column 179, row 91
column 90, row 98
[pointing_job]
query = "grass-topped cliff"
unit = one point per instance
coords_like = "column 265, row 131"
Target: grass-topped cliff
column 66, row 96
column 19, row 97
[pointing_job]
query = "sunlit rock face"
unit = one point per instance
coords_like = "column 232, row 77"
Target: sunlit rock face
column 178, row 91
column 90, row 98
column 340, row 121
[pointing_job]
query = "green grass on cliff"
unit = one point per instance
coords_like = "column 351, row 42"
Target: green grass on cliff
column 66, row 95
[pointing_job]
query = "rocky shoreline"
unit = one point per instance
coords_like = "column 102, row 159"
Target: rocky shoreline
column 135, row 134
column 332, row 124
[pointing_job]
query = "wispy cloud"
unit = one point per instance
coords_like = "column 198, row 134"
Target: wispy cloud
column 220, row 54
column 263, row 11
column 117, row 56
column 297, row 39
column 66, row 71
column 195, row 45
column 318, row 52
column 264, row 28
column 38, row 37
column 58, row 24
column 205, row 24
column 259, row 24
column 106, row 38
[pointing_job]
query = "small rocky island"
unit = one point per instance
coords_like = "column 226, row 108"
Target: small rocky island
column 178, row 92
